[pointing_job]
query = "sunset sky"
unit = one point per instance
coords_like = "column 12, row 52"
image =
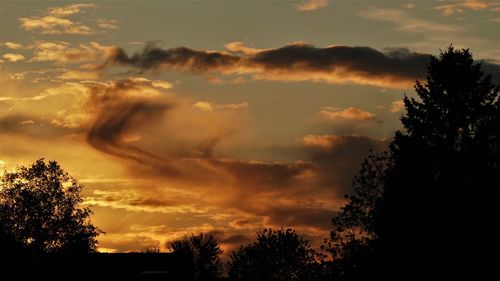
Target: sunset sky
column 218, row 116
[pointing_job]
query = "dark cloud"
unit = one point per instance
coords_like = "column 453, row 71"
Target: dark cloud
column 356, row 64
column 261, row 175
column 399, row 63
column 185, row 58
column 337, row 159
column 113, row 123
column 392, row 67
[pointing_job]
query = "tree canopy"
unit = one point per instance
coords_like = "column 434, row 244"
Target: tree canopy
column 201, row 254
column 40, row 212
column 277, row 255
column 432, row 203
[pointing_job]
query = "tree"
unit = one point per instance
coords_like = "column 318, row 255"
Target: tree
column 438, row 211
column 40, row 212
column 201, row 253
column 280, row 255
column 354, row 238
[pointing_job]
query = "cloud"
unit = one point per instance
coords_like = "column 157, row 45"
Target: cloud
column 64, row 52
column 54, row 25
column 406, row 21
column 32, row 126
column 107, row 24
column 458, row 7
column 396, row 68
column 397, row 106
column 190, row 176
column 240, row 47
column 409, row 5
column 311, row 5
column 13, row 57
column 56, row 20
column 351, row 113
column 27, row 122
column 139, row 201
column 79, row 75
column 209, row 106
column 13, row 45
column 120, row 109
column 116, row 121
column 69, row 10
column 337, row 158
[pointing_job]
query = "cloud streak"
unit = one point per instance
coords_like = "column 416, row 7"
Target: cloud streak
column 311, row 5
column 350, row 113
column 395, row 68
column 458, row 7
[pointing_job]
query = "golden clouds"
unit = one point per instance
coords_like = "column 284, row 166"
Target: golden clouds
column 56, row 20
column 13, row 45
column 350, row 113
column 107, row 24
column 13, row 57
column 176, row 176
column 140, row 201
column 79, row 75
column 54, row 25
column 64, row 52
column 240, row 47
column 69, row 10
column 209, row 106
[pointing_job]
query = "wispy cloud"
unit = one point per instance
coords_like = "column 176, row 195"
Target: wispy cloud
column 397, row 106
column 210, row 106
column 404, row 20
column 311, row 5
column 107, row 24
column 350, row 113
column 69, row 10
column 458, row 7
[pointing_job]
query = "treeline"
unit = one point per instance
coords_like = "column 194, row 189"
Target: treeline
column 429, row 207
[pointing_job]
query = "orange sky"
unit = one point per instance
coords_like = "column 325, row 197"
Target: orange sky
column 185, row 117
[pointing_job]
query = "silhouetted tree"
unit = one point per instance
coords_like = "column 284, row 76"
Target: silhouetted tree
column 280, row 255
column 354, row 238
column 438, row 208
column 40, row 212
column 201, row 254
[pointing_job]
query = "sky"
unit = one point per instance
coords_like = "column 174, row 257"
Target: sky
column 223, row 117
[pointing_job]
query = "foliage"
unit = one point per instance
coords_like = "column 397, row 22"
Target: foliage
column 438, row 187
column 40, row 210
column 279, row 255
column 202, row 253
